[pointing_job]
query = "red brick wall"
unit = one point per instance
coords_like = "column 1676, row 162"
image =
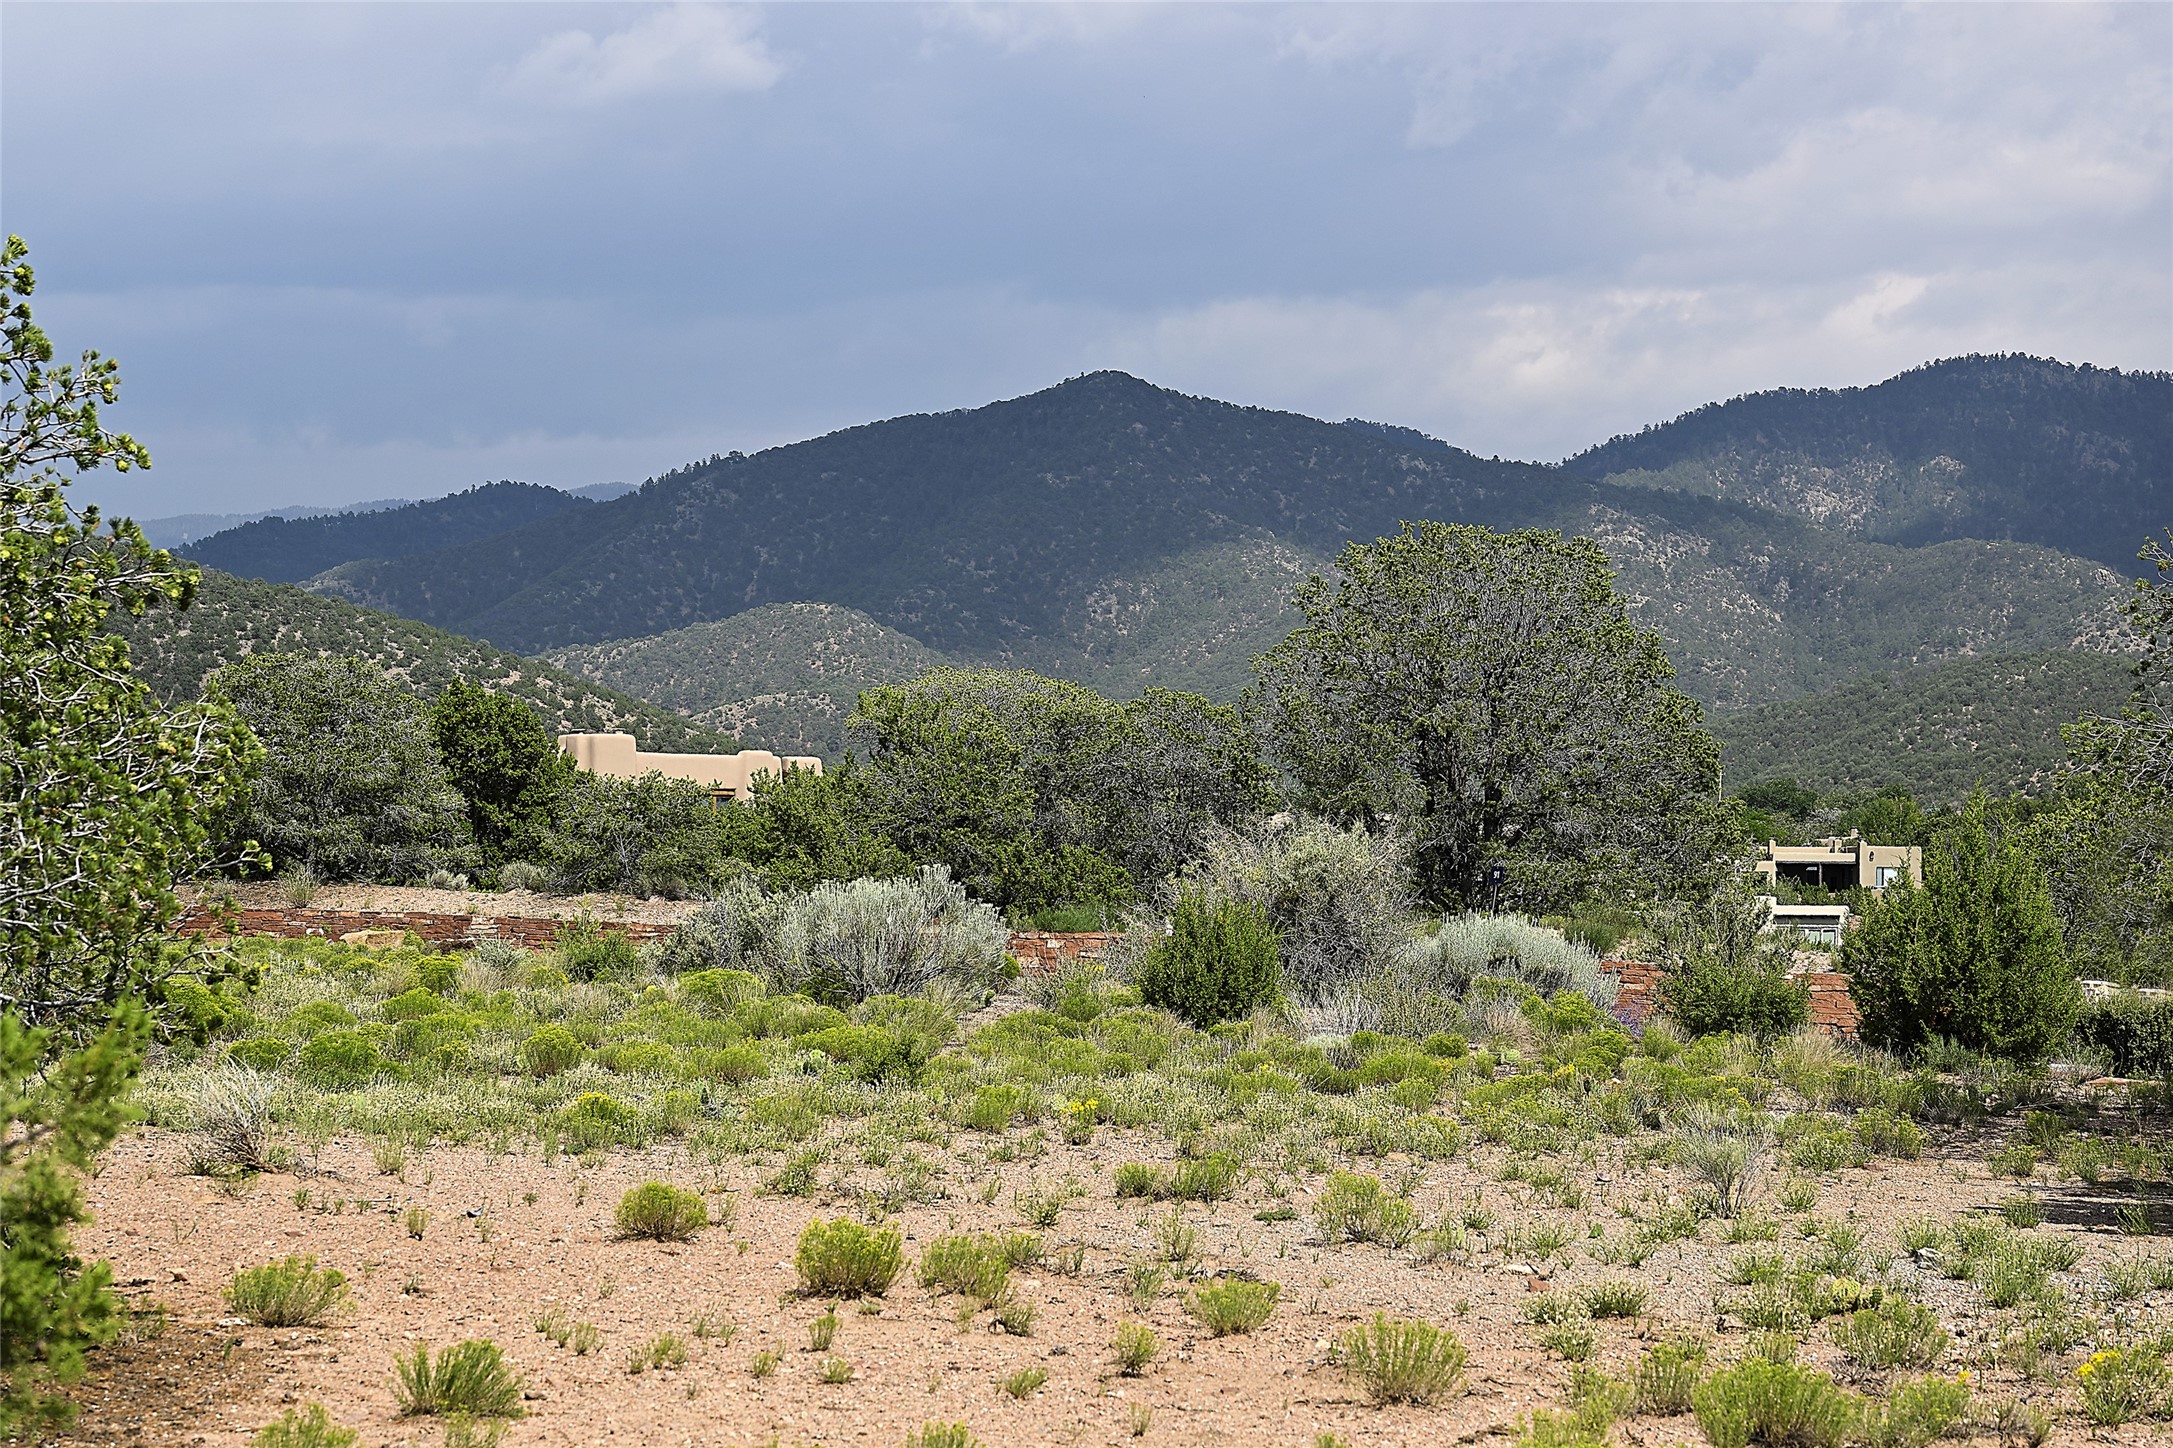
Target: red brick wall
column 1036, row 950
column 532, row 931
column 1039, row 950
column 1832, row 1009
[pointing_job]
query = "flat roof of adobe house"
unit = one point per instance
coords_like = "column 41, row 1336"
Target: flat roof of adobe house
column 615, row 756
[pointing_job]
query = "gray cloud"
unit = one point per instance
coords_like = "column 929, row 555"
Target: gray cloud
column 349, row 251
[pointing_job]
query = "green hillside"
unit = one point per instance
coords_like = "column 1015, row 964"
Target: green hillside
column 1117, row 533
column 2074, row 458
column 288, row 550
column 232, row 617
column 781, row 677
column 1937, row 731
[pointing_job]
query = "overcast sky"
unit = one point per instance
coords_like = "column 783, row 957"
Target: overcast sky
column 350, row 252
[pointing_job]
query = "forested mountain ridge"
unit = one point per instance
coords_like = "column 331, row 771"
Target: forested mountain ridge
column 1939, row 731
column 1122, row 534
column 288, row 550
column 782, row 677
column 174, row 650
column 2006, row 447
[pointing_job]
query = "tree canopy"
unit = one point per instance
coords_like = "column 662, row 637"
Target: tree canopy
column 1487, row 693
column 351, row 786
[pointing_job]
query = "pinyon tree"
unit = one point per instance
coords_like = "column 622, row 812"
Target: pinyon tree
column 1487, row 694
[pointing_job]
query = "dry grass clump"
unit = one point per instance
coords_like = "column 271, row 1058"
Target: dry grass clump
column 1233, row 1305
column 470, row 1378
column 1402, row 1361
column 842, row 1258
column 661, row 1212
column 292, row 1292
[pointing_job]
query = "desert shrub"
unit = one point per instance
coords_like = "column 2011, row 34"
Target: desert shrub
column 339, row 1060
column 594, row 1119
column 1722, row 973
column 1614, row 1299
column 589, row 951
column 259, row 1053
column 1140, row 1179
column 306, row 1427
column 550, row 1050
column 942, row 1435
column 1775, row 1403
column 733, row 1065
column 849, row 940
column 1134, row 1346
column 1668, row 1374
column 1402, row 1361
column 471, row 1378
column 971, row 1266
column 1217, row 963
column 1475, row 946
column 292, row 1292
column 1724, row 1151
column 230, row 1113
column 1208, row 1178
column 1233, row 1305
column 1895, row 1334
column 720, row 992
column 2133, row 1030
column 1357, row 1208
column 661, row 1212
column 1917, row 1412
column 444, row 879
column 842, row 1258
column 638, row 1058
column 1338, row 899
column 1974, row 956
column 1882, row 1133
column 521, row 875
column 2120, row 1384
column 994, row 1108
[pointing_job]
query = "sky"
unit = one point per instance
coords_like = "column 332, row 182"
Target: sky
column 361, row 251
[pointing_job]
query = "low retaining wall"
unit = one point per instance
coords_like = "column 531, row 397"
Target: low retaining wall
column 532, row 932
column 1832, row 1010
column 1035, row 950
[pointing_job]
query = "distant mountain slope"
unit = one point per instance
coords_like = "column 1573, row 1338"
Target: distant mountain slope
column 233, row 617
column 1939, row 731
column 1118, row 533
column 784, row 676
column 288, row 550
column 182, row 528
column 2074, row 458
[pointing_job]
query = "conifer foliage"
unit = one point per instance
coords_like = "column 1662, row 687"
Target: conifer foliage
column 1974, row 956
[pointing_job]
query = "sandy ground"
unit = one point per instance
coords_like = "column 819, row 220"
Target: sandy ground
column 270, row 895
column 510, row 1236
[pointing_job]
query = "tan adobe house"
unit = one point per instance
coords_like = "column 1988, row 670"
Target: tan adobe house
column 1847, row 862
column 726, row 776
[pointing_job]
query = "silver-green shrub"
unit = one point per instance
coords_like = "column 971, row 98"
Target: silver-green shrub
column 1506, row 947
column 1340, row 899
column 846, row 939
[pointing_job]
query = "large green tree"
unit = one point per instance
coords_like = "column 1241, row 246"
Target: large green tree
column 1037, row 792
column 352, row 786
column 1974, row 955
column 1487, row 694
column 2107, row 838
column 505, row 764
column 105, row 800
